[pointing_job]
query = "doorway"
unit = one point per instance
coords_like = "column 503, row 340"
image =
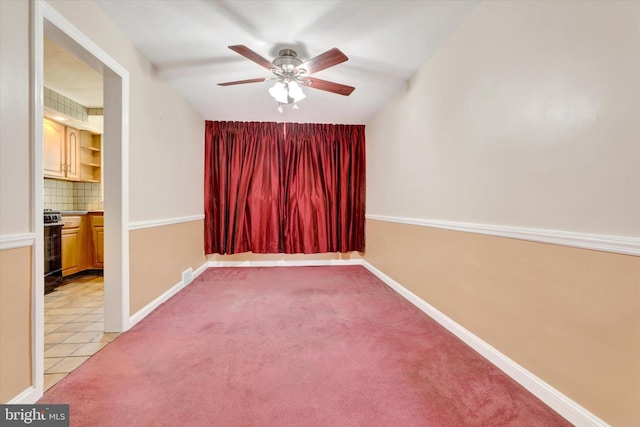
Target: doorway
column 47, row 21
column 74, row 292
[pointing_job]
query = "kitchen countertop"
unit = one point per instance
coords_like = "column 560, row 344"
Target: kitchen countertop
column 80, row 212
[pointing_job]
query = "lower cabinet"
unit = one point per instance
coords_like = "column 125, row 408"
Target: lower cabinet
column 73, row 244
column 82, row 243
column 97, row 231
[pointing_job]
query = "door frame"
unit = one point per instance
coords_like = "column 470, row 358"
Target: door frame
column 46, row 20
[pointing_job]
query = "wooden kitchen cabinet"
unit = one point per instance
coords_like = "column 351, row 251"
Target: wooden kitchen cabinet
column 82, row 243
column 74, row 243
column 97, row 231
column 61, row 151
column 54, row 149
column 73, row 153
column 90, row 157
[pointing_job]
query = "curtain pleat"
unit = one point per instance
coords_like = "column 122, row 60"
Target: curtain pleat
column 267, row 193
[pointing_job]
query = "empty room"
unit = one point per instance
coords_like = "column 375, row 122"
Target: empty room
column 320, row 213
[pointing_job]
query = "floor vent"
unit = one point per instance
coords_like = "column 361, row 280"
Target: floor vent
column 187, row 276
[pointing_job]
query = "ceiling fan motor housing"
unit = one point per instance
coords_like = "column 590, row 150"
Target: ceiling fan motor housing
column 288, row 60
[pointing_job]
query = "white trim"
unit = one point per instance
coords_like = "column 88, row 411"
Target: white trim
column 15, row 241
column 47, row 20
column 599, row 242
column 115, row 157
column 566, row 407
column 286, row 263
column 137, row 225
column 36, row 83
column 147, row 309
column 27, row 397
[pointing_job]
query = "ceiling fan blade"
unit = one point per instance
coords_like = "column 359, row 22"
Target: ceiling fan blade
column 241, row 82
column 338, row 88
column 324, row 60
column 253, row 56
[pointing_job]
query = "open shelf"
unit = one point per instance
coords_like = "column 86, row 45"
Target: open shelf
column 90, row 157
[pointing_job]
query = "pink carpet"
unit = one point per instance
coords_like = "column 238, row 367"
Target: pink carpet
column 292, row 346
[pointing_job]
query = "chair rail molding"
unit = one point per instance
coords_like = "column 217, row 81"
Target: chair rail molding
column 14, row 241
column 137, row 225
column 599, row 242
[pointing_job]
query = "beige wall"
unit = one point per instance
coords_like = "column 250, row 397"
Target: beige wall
column 15, row 322
column 161, row 255
column 568, row 315
column 526, row 116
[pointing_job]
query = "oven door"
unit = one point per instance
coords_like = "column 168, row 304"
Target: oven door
column 52, row 256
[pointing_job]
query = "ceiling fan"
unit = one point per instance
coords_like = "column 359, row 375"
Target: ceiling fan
column 290, row 72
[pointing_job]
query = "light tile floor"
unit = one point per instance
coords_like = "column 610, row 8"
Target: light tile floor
column 73, row 326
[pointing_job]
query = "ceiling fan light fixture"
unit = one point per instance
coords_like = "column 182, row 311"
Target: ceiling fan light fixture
column 279, row 92
column 287, row 92
column 295, row 92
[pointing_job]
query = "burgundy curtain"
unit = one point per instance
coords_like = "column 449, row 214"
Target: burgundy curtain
column 242, row 187
column 270, row 193
column 324, row 184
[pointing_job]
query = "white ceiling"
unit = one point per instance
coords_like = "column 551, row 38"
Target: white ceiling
column 70, row 77
column 386, row 42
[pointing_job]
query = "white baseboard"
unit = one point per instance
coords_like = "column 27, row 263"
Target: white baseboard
column 147, row 309
column 286, row 263
column 570, row 410
column 27, row 397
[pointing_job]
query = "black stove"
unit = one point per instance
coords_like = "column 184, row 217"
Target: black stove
column 52, row 249
column 52, row 217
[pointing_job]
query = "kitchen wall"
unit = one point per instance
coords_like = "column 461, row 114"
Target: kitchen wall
column 525, row 119
column 70, row 195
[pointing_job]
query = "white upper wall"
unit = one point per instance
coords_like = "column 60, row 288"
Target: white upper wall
column 15, row 173
column 529, row 115
column 166, row 136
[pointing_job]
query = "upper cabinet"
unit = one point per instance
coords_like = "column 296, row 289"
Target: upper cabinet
column 55, row 142
column 70, row 153
column 72, row 167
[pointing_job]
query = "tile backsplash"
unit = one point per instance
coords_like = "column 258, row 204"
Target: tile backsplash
column 71, row 196
column 65, row 105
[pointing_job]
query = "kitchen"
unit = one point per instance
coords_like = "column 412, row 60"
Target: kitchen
column 72, row 187
column 73, row 214
column 72, row 159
